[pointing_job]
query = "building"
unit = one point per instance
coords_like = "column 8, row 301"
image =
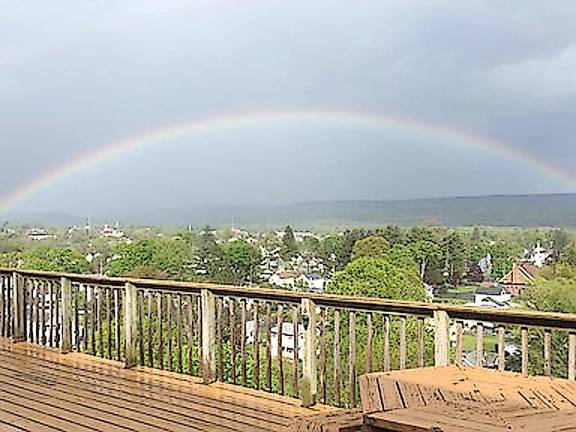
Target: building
column 492, row 297
column 519, row 278
column 283, row 280
column 313, row 281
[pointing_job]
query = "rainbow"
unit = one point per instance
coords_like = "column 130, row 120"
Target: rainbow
column 231, row 121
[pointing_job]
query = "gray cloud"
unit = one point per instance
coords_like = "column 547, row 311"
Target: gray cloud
column 76, row 75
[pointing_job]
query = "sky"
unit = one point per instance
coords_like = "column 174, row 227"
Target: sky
column 77, row 76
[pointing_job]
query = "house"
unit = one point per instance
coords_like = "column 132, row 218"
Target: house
column 313, row 281
column 38, row 234
column 520, row 277
column 497, row 297
column 287, row 340
column 283, row 279
column 111, row 232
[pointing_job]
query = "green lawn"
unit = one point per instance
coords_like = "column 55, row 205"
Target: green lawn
column 469, row 343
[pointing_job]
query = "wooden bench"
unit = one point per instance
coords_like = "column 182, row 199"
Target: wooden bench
column 466, row 399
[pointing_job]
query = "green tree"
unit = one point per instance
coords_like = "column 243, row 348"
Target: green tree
column 243, row 261
column 454, row 254
column 55, row 259
column 568, row 254
column 373, row 246
column 384, row 277
column 210, row 257
column 289, row 246
column 425, row 251
column 166, row 259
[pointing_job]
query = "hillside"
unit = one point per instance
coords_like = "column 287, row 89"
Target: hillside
column 512, row 210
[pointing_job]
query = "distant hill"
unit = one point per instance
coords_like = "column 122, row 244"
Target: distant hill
column 514, row 210
column 505, row 210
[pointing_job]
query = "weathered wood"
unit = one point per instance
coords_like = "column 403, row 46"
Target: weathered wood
column 323, row 368
column 160, row 329
column 336, row 370
column 99, row 325
column 140, row 295
column 420, row 341
column 199, row 332
column 296, row 335
column 51, row 314
column 309, row 369
column 402, row 342
column 179, row 333
column 352, row 359
column 268, row 347
column 19, row 307
column 208, row 336
column 66, row 318
column 150, row 336
column 109, row 329
column 279, row 346
column 501, row 346
column 86, row 321
column 368, row 359
column 243, row 369
column 169, row 329
column 130, row 325
column 256, row 346
column 118, row 321
column 76, row 293
column 441, row 338
column 510, row 316
column 233, row 341
column 547, row 352
column 524, row 336
column 191, row 301
column 219, row 349
column 93, row 320
column 479, row 344
column 387, row 364
column 572, row 356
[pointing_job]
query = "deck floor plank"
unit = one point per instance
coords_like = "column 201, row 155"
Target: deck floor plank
column 45, row 391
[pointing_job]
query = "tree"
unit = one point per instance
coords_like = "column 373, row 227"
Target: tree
column 392, row 234
column 454, row 254
column 568, row 254
column 55, row 259
column 373, row 246
column 384, row 277
column 210, row 257
column 425, row 251
column 165, row 259
column 289, row 247
column 242, row 260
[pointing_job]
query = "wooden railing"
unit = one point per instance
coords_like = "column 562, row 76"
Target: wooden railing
column 306, row 345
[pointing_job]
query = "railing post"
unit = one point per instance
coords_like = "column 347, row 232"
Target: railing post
column 130, row 325
column 208, row 336
column 19, row 311
column 310, row 373
column 572, row 356
column 441, row 338
column 66, row 314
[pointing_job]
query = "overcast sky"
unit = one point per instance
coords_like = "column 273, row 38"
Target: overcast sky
column 77, row 75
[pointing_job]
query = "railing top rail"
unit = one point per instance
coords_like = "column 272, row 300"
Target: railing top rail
column 368, row 304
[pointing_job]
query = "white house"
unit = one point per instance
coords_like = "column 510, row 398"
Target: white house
column 492, row 297
column 287, row 340
column 313, row 281
column 283, row 279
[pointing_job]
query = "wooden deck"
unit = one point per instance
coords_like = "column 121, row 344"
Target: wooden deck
column 42, row 390
column 452, row 398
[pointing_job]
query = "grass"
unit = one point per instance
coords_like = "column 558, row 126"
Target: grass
column 469, row 343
